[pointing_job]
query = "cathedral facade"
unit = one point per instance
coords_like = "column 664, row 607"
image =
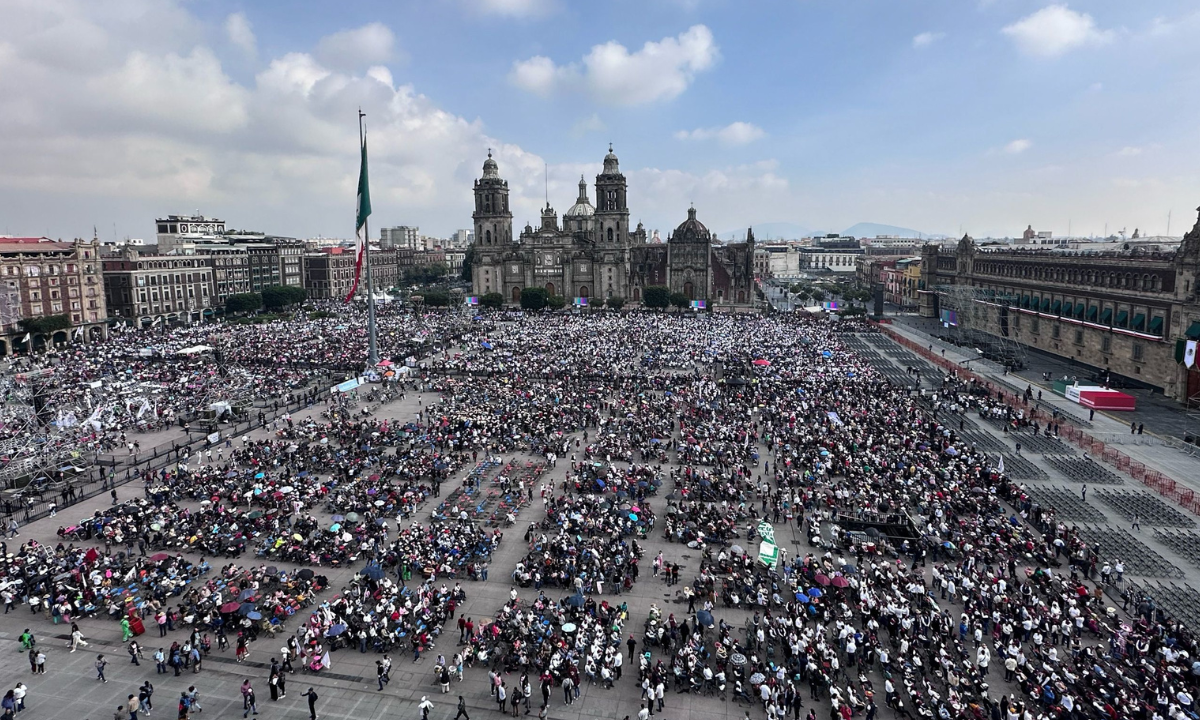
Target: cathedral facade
column 594, row 253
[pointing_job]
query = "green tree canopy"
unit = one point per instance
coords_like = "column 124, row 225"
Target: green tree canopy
column 556, row 302
column 656, row 296
column 533, row 298
column 679, row 300
column 45, row 325
column 280, row 296
column 243, row 303
column 616, row 303
column 468, row 263
column 436, row 298
column 493, row 300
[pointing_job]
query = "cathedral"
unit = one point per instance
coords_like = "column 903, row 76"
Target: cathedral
column 594, row 253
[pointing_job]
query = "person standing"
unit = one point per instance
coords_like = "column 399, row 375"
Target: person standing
column 379, row 674
column 273, row 685
column 312, row 703
column 41, row 663
column 501, row 696
column 19, row 693
column 193, row 696
column 425, row 707
column 146, row 697
column 248, row 700
column 131, row 703
column 568, row 686
column 101, row 663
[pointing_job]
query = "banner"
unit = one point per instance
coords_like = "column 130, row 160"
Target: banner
column 766, row 531
column 768, row 554
column 1189, row 354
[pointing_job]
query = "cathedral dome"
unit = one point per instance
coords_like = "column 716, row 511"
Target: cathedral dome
column 583, row 206
column 611, row 166
column 490, row 168
column 691, row 227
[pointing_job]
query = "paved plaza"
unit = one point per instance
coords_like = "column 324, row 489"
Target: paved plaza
column 1155, row 556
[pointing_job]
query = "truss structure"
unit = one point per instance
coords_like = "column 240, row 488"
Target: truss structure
column 32, row 443
column 981, row 318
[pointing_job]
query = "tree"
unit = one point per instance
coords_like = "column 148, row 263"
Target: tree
column 243, row 303
column 556, row 302
column 426, row 274
column 679, row 300
column 656, row 296
column 281, row 296
column 493, row 300
column 817, row 294
column 436, row 298
column 45, row 325
column 533, row 298
column 468, row 263
column 615, row 303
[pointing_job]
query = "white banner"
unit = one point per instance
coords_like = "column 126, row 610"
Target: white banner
column 1189, row 354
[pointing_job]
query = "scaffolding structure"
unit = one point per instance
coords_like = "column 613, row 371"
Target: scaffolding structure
column 981, row 319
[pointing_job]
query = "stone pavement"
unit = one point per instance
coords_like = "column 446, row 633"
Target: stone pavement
column 1162, row 452
column 70, row 690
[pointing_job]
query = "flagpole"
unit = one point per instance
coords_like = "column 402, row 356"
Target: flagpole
column 372, row 341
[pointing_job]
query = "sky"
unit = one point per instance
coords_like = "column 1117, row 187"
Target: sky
column 947, row 116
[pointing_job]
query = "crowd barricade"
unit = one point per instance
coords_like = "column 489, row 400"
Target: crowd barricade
column 1157, row 481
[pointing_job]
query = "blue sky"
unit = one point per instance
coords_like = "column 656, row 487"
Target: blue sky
column 940, row 115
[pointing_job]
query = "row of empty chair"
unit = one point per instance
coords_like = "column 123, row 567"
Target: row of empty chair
column 1066, row 503
column 1146, row 508
column 1083, row 470
column 1184, row 544
column 1139, row 558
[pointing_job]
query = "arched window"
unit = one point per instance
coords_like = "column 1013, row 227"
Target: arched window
column 487, row 237
column 583, row 291
column 610, row 235
column 689, row 291
column 637, row 294
column 516, row 294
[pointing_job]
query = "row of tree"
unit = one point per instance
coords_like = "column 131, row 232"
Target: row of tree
column 273, row 297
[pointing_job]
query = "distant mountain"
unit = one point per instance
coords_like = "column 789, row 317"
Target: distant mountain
column 768, row 231
column 870, row 230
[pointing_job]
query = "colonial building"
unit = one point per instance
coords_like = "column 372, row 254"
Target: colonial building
column 40, row 278
column 329, row 274
column 147, row 290
column 595, row 253
column 1129, row 313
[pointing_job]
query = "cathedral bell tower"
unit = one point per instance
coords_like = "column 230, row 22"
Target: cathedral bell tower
column 493, row 219
column 612, row 212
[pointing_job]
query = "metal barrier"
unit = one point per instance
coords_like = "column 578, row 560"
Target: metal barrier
column 1153, row 479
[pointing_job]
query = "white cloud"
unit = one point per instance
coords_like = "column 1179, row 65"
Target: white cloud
column 1016, row 147
column 926, row 39
column 239, row 32
column 539, row 75
column 1129, row 151
column 514, row 8
column 737, row 133
column 1054, row 30
column 370, row 44
column 587, row 125
column 615, row 76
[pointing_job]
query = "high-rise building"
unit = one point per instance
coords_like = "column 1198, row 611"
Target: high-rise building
column 401, row 236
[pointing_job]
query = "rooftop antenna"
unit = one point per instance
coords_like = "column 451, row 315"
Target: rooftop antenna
column 546, row 168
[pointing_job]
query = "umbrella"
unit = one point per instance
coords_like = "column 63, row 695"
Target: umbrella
column 575, row 601
column 762, row 363
column 159, row 557
column 305, row 574
column 338, row 518
column 821, row 579
column 336, row 630
column 705, row 618
column 255, row 515
column 254, row 615
column 374, row 572
column 737, row 550
column 335, row 527
column 737, row 659
column 246, row 594
column 353, row 517
column 272, row 570
column 633, row 517
column 849, row 569
column 230, row 607
column 840, row 582
column 815, row 593
column 297, row 537
column 757, row 678
column 568, row 628
column 246, row 608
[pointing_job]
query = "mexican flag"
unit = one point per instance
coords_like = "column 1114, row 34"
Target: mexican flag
column 360, row 222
